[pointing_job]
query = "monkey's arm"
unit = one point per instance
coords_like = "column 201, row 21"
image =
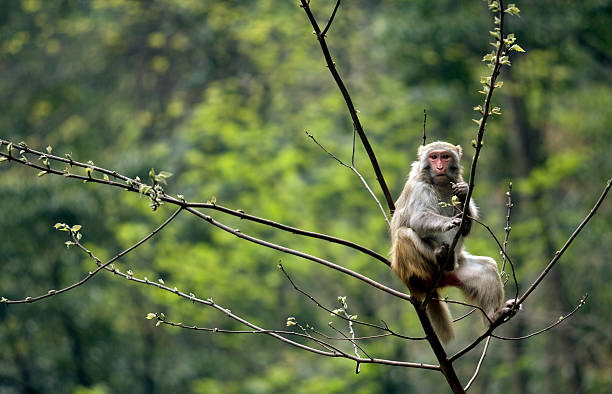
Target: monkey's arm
column 427, row 222
column 422, row 213
column 460, row 190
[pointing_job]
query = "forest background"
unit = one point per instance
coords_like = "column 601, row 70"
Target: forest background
column 219, row 93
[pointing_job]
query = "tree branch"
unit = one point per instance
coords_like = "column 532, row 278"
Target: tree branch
column 349, row 103
column 569, row 241
column 134, row 186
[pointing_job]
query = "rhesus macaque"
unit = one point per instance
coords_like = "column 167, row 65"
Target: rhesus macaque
column 422, row 229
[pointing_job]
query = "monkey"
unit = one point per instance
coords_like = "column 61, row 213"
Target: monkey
column 423, row 227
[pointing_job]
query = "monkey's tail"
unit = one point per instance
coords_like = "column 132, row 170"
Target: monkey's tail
column 441, row 319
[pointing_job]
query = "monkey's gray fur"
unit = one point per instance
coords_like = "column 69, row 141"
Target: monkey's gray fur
column 421, row 231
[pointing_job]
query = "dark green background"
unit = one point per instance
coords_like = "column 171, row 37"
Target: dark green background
column 220, row 93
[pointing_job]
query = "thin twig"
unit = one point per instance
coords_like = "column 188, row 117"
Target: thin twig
column 561, row 320
column 352, row 168
column 507, row 229
column 98, row 263
column 306, row 256
column 317, row 303
column 331, row 18
column 482, row 356
column 133, row 185
column 541, row 277
column 424, row 123
column 560, row 252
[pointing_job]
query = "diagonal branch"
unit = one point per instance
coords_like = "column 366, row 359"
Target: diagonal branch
column 98, row 263
column 298, row 253
column 561, row 320
column 550, row 265
column 135, row 185
column 569, row 241
column 352, row 168
column 385, row 328
column 349, row 102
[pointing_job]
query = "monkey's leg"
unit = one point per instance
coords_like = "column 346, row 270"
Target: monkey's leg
column 480, row 281
column 411, row 257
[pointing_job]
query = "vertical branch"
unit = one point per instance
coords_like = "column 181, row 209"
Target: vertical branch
column 507, row 228
column 424, row 124
column 486, row 112
column 505, row 244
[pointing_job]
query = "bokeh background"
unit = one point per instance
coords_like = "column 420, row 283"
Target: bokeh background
column 220, row 94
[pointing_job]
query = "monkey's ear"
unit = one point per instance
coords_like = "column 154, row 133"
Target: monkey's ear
column 421, row 151
column 459, row 150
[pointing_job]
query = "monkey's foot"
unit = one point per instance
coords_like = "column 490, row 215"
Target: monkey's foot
column 508, row 310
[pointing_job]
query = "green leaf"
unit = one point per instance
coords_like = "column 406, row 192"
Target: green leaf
column 49, row 149
column 512, row 10
column 151, row 316
column 76, row 227
column 42, row 173
column 517, row 47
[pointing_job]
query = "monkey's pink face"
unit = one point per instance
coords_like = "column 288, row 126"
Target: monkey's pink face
column 440, row 161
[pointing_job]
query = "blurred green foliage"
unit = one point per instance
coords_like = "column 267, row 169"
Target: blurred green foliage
column 220, row 93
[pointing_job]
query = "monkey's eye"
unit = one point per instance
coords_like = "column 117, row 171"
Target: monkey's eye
column 446, row 156
column 433, row 156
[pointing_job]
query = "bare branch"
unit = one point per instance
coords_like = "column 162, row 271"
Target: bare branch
column 349, row 103
column 331, row 18
column 134, row 186
column 424, row 124
column 352, row 168
column 560, row 252
column 482, row 356
column 98, row 263
column 306, row 256
column 385, row 328
column 561, row 320
column 507, row 229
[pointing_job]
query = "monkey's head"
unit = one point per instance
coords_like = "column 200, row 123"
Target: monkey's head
column 439, row 162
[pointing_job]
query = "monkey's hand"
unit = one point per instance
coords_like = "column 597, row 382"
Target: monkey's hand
column 460, row 189
column 446, row 262
column 452, row 223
